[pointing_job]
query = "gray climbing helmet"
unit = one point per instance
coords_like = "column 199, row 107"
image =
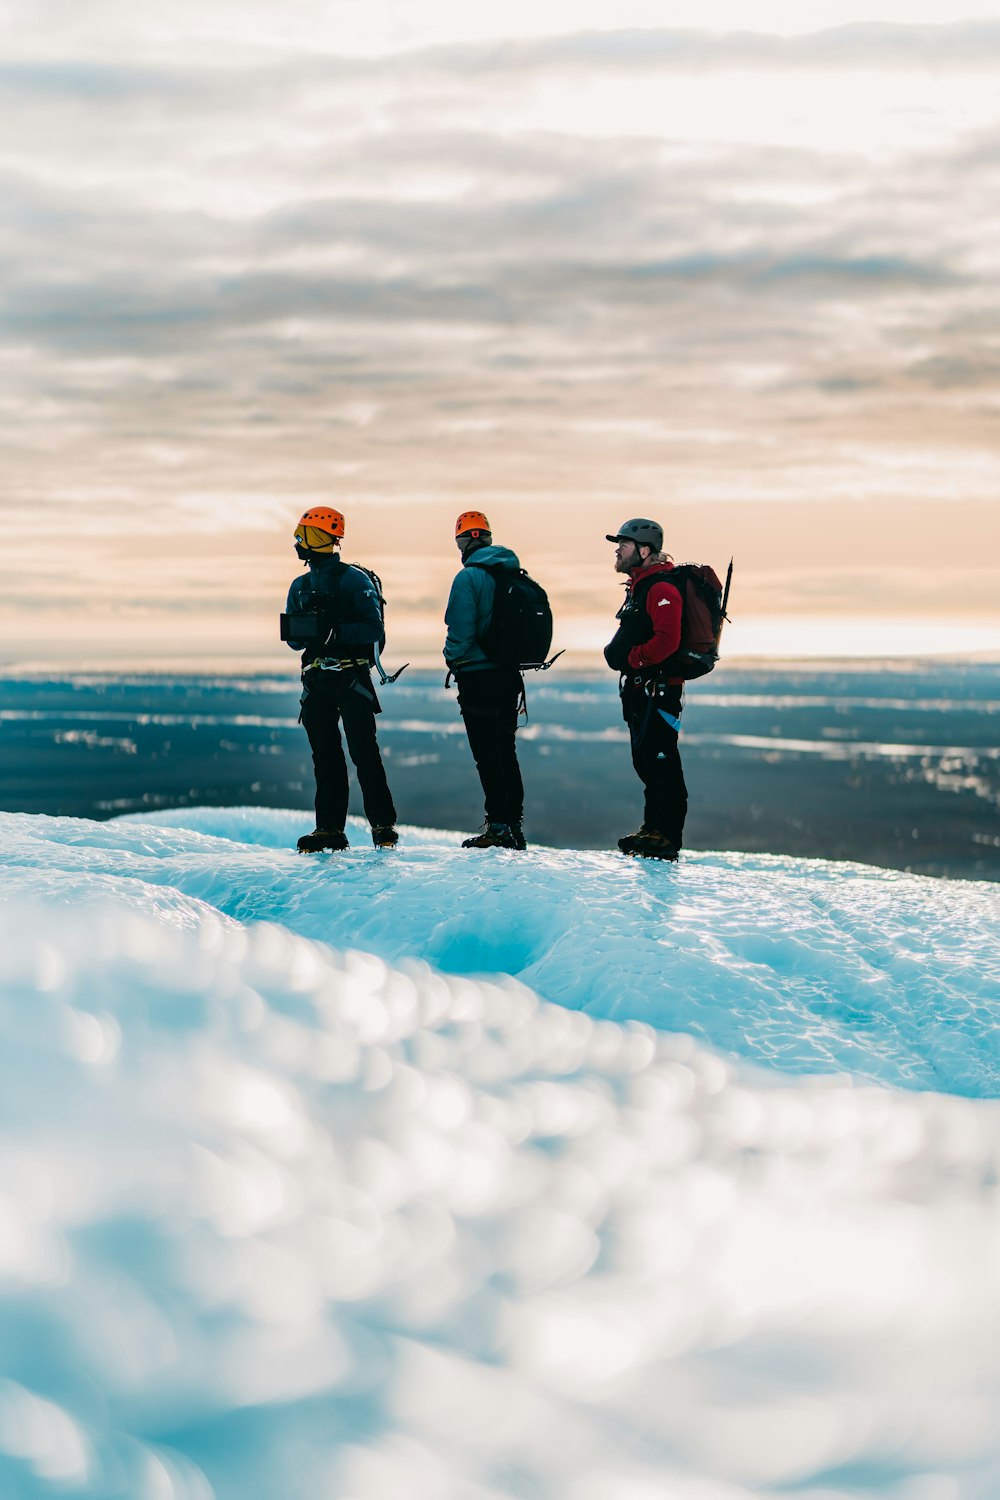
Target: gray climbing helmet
column 643, row 533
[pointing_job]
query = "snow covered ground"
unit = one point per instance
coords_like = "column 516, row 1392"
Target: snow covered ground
column 307, row 1192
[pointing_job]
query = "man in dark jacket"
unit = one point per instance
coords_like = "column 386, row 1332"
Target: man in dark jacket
column 488, row 695
column 648, row 636
column 340, row 621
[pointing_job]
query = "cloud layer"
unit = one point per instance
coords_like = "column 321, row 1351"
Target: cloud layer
column 561, row 275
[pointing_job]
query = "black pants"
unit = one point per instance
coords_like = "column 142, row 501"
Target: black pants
column 489, row 700
column 329, row 699
column 657, row 759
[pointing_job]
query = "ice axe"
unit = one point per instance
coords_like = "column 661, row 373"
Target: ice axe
column 383, row 675
column 543, row 666
column 725, row 601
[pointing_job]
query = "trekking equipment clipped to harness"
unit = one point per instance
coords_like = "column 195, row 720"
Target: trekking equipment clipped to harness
column 520, row 630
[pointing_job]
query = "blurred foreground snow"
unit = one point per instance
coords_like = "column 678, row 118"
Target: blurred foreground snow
column 283, row 1221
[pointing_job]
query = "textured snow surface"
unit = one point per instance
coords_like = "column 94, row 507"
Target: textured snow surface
column 284, row 1221
column 801, row 965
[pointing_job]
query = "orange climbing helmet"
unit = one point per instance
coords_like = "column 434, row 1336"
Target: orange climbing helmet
column 472, row 523
column 318, row 529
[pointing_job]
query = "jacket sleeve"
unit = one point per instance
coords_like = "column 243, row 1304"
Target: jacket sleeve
column 360, row 617
column 663, row 605
column 465, row 615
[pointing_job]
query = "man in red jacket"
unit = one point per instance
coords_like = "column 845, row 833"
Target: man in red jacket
column 648, row 636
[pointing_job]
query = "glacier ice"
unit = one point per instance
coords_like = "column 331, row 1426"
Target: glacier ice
column 307, row 1189
column 807, row 966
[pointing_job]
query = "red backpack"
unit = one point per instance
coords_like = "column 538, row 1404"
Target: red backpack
column 703, row 602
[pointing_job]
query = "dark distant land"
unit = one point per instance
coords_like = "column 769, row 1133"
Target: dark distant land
column 895, row 765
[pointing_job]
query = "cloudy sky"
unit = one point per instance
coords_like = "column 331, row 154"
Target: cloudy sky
column 567, row 262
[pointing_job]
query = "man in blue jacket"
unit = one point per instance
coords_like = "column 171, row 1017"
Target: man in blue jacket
column 489, row 696
column 339, row 607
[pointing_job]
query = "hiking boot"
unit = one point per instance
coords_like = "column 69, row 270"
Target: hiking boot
column 517, row 834
column 384, row 836
column 625, row 844
column 321, row 839
column 650, row 845
column 493, row 836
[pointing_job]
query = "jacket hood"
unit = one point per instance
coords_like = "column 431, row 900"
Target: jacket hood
column 491, row 557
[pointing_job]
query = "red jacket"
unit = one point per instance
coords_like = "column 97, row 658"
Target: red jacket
column 663, row 605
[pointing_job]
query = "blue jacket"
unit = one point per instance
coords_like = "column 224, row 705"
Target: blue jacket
column 359, row 616
column 470, row 606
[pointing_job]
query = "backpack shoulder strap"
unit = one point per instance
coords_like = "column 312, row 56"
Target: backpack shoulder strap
column 336, row 578
column 494, row 572
column 370, row 574
column 677, row 576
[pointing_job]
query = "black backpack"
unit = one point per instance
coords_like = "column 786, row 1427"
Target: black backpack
column 520, row 630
